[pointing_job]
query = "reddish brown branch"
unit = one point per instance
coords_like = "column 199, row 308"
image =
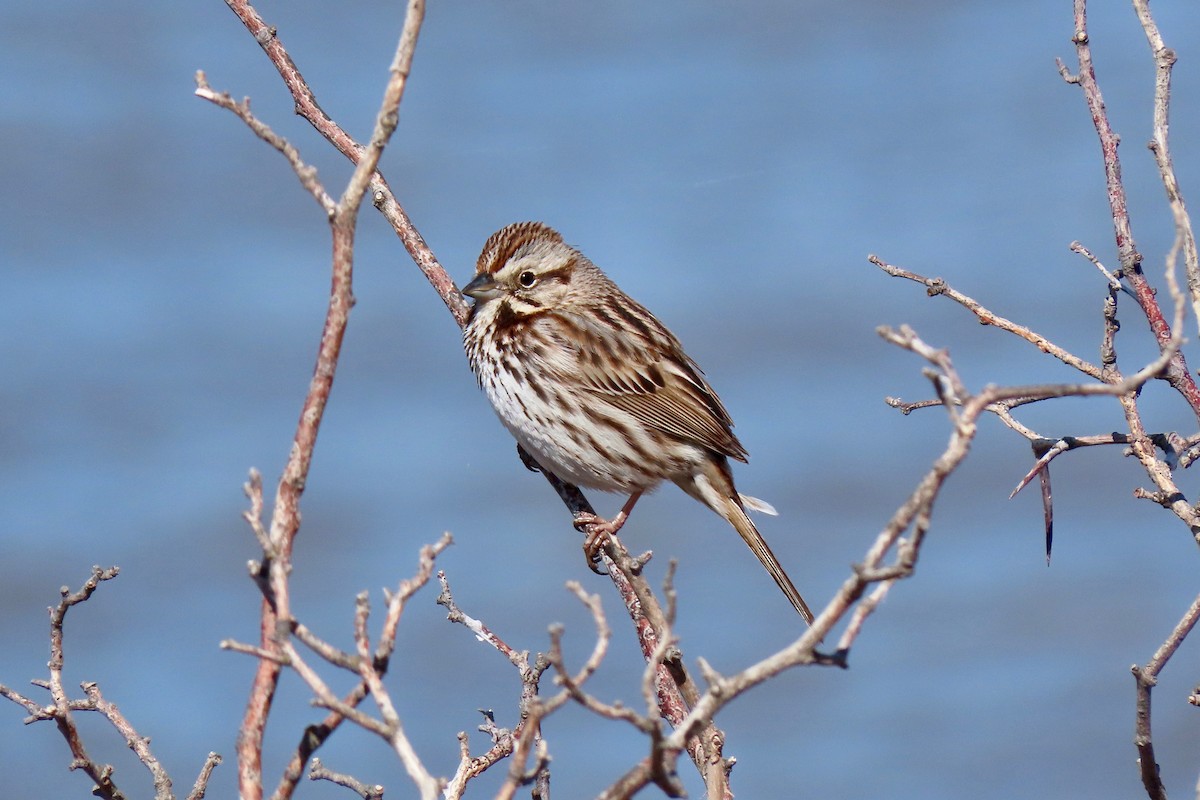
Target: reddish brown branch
column 285, row 521
column 1177, row 373
column 636, row 594
column 1185, row 238
column 675, row 689
column 381, row 192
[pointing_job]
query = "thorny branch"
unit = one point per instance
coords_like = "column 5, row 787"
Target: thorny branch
column 670, row 692
column 1177, row 451
column 680, row 701
column 964, row 410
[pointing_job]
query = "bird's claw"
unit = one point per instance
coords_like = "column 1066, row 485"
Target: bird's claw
column 596, row 531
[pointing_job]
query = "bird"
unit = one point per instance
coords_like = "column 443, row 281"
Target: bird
column 596, row 389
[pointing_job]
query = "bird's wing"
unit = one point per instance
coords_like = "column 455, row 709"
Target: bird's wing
column 641, row 369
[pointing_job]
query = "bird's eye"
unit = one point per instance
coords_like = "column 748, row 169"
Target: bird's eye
column 527, row 279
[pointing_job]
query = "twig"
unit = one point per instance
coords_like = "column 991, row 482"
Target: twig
column 101, row 774
column 347, row 706
column 62, row 708
column 253, row 650
column 1113, row 281
column 140, row 745
column 573, row 682
column 1185, row 238
column 381, row 194
column 318, row 772
column 429, row 786
column 253, row 490
column 1146, row 678
column 505, row 743
column 306, row 173
column 313, row 737
column 936, row 286
column 469, row 767
column 200, row 787
column 524, row 740
column 519, row 659
column 389, row 113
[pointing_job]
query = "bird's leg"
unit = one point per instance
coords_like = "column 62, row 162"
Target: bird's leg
column 528, row 460
column 598, row 529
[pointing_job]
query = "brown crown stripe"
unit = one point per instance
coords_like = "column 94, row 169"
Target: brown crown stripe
column 499, row 249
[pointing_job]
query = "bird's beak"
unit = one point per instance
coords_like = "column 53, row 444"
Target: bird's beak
column 482, row 288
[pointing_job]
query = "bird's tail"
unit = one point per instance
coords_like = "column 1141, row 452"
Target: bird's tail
column 761, row 506
column 713, row 486
column 745, row 527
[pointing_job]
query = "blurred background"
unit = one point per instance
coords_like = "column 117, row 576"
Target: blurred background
column 731, row 166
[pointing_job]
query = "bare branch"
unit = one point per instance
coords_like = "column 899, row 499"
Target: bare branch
column 306, row 173
column 518, row 743
column 503, row 745
column 285, row 521
column 253, row 489
column 200, row 787
column 519, row 659
column 381, row 194
column 318, row 772
column 1113, row 281
column 429, row 786
column 1145, row 679
column 389, row 113
column 61, row 711
column 101, row 774
column 936, row 286
column 140, row 745
column 1185, row 238
column 1177, row 373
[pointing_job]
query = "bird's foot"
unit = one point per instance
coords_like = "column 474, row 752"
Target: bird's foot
column 597, row 532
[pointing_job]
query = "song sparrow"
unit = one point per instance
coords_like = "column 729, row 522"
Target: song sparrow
column 595, row 388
